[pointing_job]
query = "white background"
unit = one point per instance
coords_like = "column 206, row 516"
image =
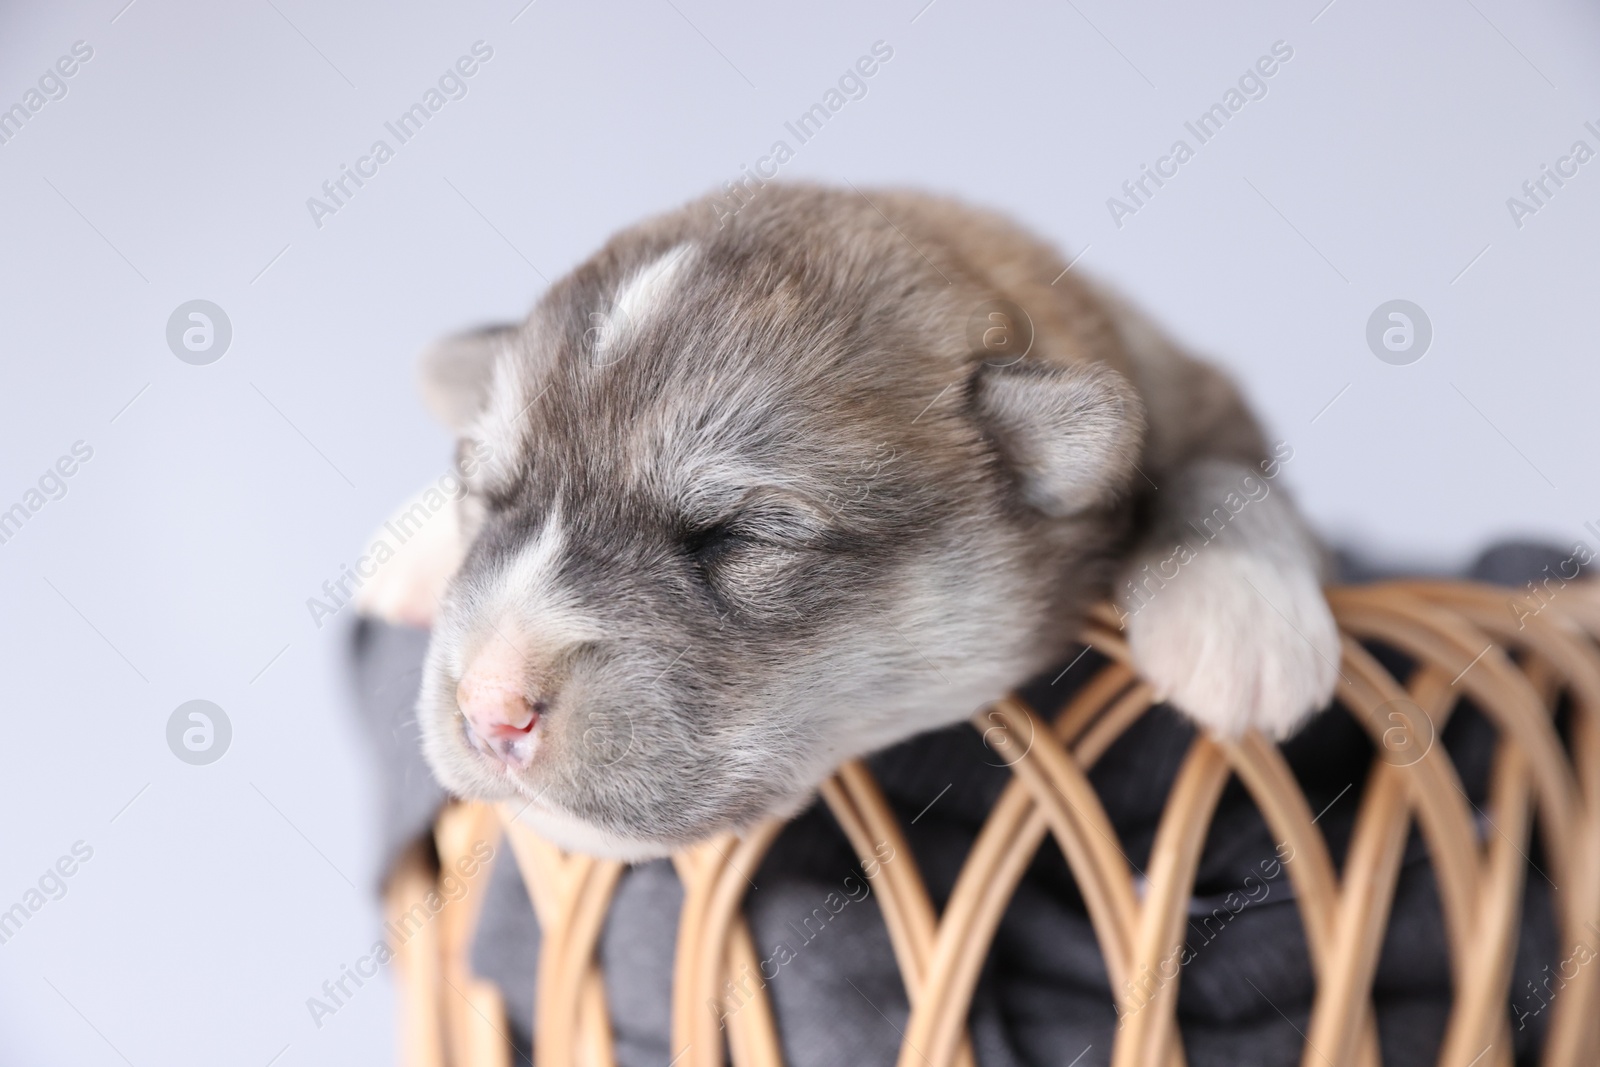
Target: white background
column 178, row 166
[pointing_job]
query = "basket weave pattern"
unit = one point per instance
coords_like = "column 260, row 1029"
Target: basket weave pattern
column 1464, row 641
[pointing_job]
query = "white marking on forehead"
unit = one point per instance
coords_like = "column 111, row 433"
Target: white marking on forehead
column 649, row 287
column 531, row 574
column 525, row 602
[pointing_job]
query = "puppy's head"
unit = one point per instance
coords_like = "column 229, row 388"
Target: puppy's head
column 742, row 504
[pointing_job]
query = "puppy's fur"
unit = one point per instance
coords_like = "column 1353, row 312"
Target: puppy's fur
column 757, row 495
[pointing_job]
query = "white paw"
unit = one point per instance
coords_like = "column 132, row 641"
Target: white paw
column 424, row 549
column 1238, row 640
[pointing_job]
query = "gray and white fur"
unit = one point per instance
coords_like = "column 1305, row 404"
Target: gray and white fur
column 747, row 496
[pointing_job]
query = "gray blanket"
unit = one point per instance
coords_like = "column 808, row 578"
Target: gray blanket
column 1043, row 998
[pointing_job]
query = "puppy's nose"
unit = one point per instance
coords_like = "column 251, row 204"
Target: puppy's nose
column 493, row 708
column 494, row 698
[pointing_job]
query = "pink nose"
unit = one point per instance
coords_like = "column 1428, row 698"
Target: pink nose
column 493, row 696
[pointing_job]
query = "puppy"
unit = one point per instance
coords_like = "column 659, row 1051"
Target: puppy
column 749, row 495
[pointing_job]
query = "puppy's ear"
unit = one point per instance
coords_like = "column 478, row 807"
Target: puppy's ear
column 1070, row 434
column 455, row 373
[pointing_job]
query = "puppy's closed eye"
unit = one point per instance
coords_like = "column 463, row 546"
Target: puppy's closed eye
column 753, row 559
column 742, row 549
column 709, row 543
column 762, row 518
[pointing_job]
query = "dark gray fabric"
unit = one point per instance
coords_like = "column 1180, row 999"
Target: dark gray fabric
column 1043, row 999
column 386, row 672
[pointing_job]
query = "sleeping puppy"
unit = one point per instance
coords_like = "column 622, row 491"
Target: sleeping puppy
column 747, row 496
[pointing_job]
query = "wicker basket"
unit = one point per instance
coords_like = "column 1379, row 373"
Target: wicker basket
column 1463, row 639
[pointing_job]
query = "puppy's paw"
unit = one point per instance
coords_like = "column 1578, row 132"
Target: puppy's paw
column 410, row 577
column 1238, row 640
